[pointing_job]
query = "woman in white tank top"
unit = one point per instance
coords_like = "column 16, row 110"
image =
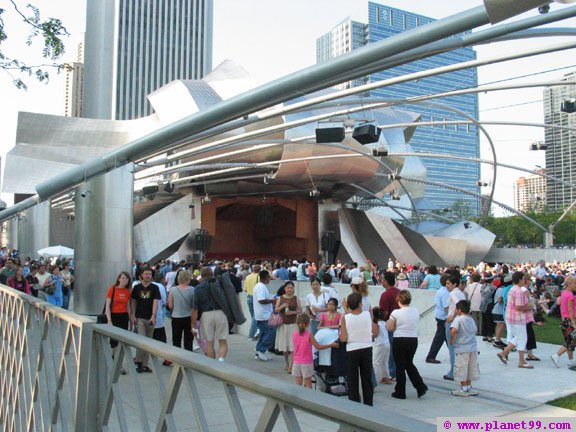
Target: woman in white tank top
column 357, row 329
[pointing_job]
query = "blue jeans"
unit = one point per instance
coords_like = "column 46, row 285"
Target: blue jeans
column 267, row 336
column 391, row 362
column 250, row 301
column 451, row 351
column 66, row 299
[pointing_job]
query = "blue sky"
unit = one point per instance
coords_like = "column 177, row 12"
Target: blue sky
column 272, row 38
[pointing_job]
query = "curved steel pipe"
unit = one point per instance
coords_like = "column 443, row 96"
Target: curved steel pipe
column 467, row 192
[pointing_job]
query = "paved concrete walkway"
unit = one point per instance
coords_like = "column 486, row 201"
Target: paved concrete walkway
column 504, row 390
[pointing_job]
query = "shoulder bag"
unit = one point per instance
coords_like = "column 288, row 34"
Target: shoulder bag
column 102, row 318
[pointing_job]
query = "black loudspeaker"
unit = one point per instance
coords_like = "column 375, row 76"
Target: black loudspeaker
column 202, row 240
column 328, row 241
column 568, row 106
column 149, row 190
column 330, row 135
column 366, row 134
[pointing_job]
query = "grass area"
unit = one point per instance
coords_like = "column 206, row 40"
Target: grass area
column 550, row 332
column 568, row 402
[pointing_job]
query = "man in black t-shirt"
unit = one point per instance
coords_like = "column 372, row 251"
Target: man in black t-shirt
column 144, row 302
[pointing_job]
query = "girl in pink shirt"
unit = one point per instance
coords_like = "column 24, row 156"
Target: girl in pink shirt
column 302, row 368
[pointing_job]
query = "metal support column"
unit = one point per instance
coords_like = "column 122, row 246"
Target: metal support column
column 34, row 230
column 103, row 238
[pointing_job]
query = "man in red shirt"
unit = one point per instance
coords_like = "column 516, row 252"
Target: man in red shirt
column 387, row 304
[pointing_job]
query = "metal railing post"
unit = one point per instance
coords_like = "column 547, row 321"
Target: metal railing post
column 87, row 390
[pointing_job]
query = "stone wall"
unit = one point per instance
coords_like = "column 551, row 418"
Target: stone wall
column 518, row 255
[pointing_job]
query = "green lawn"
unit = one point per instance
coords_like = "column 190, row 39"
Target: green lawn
column 568, row 402
column 549, row 332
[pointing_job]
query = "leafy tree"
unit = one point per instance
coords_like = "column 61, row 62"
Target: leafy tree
column 50, row 30
column 515, row 230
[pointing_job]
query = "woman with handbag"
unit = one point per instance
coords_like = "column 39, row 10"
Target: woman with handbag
column 180, row 301
column 288, row 307
column 118, row 309
column 53, row 287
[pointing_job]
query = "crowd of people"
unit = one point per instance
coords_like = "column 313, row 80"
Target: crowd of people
column 379, row 342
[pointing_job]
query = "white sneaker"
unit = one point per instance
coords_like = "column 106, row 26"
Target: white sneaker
column 473, row 392
column 571, row 363
column 462, row 393
column 261, row 356
column 220, row 359
column 555, row 359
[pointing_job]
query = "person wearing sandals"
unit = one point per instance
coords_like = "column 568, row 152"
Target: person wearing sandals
column 288, row 306
column 180, row 302
column 118, row 307
column 518, row 310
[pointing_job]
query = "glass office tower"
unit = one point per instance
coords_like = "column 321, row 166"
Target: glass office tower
column 458, row 140
column 561, row 151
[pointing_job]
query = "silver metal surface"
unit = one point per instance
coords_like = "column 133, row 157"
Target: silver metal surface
column 479, row 240
column 305, row 81
column 34, row 230
column 156, row 233
column 500, row 10
column 103, row 240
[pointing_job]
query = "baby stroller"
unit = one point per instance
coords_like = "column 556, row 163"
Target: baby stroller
column 332, row 379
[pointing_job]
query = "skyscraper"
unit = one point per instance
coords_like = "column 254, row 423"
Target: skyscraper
column 458, row 140
column 74, row 85
column 134, row 47
column 561, row 144
column 530, row 193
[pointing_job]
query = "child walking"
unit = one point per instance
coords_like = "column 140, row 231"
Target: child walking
column 381, row 348
column 302, row 360
column 463, row 337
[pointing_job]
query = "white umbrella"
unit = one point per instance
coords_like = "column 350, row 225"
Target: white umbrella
column 56, row 251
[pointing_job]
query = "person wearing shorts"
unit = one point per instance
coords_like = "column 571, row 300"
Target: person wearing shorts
column 213, row 321
column 518, row 310
column 304, row 340
column 463, row 338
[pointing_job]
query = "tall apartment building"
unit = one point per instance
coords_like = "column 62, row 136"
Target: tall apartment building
column 459, row 140
column 561, row 144
column 530, row 193
column 134, row 47
column 74, row 85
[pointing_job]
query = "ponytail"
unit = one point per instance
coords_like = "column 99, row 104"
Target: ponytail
column 303, row 321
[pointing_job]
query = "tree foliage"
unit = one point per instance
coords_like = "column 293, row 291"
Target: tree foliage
column 50, row 31
column 515, row 230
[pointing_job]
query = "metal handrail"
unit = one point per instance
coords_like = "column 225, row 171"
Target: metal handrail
column 96, row 378
column 351, row 414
